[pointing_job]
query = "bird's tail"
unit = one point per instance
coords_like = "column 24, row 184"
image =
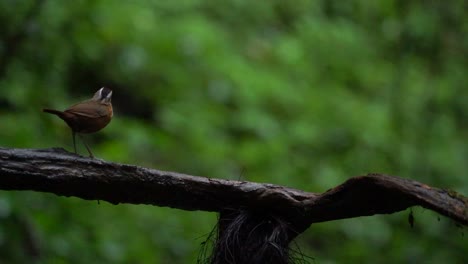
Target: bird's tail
column 52, row 111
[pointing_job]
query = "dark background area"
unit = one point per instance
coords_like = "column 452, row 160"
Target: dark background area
column 299, row 93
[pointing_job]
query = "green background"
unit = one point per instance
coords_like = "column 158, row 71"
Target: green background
column 299, row 93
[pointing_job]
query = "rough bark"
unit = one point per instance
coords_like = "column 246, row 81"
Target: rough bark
column 66, row 174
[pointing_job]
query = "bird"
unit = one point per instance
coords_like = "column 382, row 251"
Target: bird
column 88, row 116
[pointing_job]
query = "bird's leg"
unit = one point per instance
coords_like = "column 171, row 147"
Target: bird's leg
column 86, row 145
column 74, row 144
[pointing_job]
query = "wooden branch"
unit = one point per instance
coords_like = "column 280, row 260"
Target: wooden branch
column 66, row 174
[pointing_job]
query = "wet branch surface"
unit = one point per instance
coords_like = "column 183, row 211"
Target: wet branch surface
column 66, row 174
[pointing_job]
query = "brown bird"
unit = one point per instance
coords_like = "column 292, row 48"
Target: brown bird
column 88, row 116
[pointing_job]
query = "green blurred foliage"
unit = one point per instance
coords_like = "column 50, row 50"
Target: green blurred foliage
column 298, row 93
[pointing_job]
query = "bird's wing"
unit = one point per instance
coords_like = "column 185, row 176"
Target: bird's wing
column 82, row 109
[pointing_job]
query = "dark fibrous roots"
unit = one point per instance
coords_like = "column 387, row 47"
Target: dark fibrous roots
column 251, row 238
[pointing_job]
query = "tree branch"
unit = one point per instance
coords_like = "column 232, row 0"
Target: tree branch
column 62, row 173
